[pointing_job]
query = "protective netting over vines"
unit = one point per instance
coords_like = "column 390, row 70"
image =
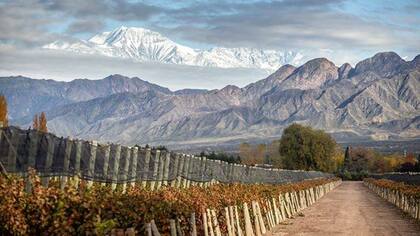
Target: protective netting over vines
column 406, row 177
column 113, row 163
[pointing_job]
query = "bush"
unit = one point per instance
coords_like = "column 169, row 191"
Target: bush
column 355, row 176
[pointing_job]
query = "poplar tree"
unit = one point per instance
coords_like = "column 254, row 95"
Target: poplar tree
column 347, row 159
column 43, row 123
column 35, row 123
column 3, row 111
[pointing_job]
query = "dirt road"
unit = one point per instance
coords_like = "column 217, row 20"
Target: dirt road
column 350, row 209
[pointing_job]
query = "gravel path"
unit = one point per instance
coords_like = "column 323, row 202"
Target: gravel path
column 350, row 209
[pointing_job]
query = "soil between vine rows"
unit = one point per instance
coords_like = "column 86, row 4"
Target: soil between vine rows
column 350, row 209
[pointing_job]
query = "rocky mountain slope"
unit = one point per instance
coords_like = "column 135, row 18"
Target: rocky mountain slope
column 378, row 99
column 27, row 96
column 145, row 45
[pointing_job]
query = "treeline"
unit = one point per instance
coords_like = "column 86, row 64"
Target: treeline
column 300, row 147
column 304, row 148
column 230, row 158
column 40, row 122
column 359, row 161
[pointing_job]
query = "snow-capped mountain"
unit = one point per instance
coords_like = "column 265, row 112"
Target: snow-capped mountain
column 145, row 45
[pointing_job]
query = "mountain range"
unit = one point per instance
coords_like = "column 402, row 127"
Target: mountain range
column 144, row 45
column 379, row 98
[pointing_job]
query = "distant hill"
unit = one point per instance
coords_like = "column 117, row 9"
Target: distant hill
column 379, row 99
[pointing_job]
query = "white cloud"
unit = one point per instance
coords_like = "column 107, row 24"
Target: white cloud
column 46, row 64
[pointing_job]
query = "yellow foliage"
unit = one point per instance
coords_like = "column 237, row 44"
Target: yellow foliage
column 43, row 123
column 3, row 111
column 35, row 122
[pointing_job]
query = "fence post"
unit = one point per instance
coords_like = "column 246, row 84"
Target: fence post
column 208, row 172
column 33, row 149
column 193, row 227
column 175, row 171
column 2, row 168
column 180, row 170
column 49, row 159
column 1, row 131
column 190, row 170
column 172, row 227
column 12, row 153
column 186, row 171
column 162, row 159
column 32, row 152
column 201, row 173
column 166, row 168
column 106, row 164
column 77, row 161
column 66, row 163
column 116, row 165
column 146, row 167
column 232, row 172
column 155, row 169
column 248, row 225
column 92, row 158
column 134, row 157
column 126, row 166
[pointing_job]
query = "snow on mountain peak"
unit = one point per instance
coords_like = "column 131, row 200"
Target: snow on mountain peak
column 143, row 44
column 99, row 38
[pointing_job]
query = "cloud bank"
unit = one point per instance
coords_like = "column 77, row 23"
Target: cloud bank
column 47, row 64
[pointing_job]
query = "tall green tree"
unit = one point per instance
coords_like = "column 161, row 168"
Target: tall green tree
column 304, row 148
column 347, row 159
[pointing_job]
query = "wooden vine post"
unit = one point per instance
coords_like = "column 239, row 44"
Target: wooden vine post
column 146, row 167
column 107, row 150
column 116, row 165
column 91, row 165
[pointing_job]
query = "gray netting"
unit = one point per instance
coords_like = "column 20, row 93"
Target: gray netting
column 112, row 163
column 412, row 178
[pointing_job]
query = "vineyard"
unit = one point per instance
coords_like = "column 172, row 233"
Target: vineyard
column 58, row 157
column 63, row 186
column 84, row 187
column 404, row 196
column 215, row 210
column 412, row 178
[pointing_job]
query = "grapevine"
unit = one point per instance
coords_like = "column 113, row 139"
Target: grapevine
column 77, row 209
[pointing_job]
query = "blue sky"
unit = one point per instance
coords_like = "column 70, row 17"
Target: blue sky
column 341, row 30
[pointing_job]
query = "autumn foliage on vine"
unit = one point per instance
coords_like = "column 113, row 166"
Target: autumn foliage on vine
column 410, row 190
column 80, row 210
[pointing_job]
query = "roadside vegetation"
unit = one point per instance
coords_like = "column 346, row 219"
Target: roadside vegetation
column 304, row 148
